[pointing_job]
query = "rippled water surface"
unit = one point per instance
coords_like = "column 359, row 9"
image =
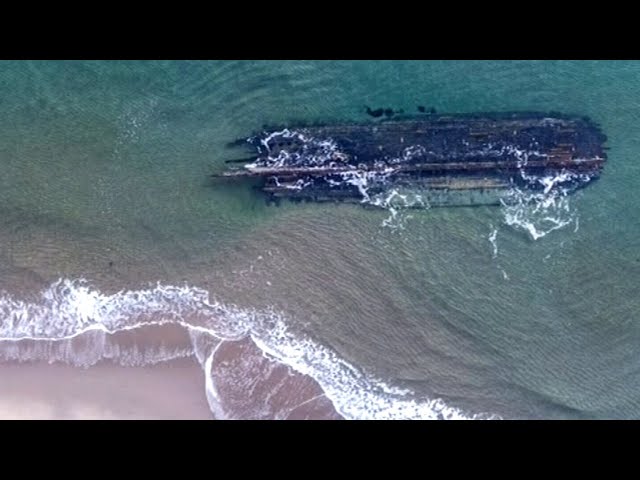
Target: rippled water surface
column 378, row 313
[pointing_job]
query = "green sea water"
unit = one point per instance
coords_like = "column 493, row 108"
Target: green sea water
column 104, row 172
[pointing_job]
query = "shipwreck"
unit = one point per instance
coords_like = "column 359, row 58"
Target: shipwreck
column 457, row 159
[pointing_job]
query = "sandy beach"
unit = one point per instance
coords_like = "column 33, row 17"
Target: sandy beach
column 247, row 385
column 171, row 390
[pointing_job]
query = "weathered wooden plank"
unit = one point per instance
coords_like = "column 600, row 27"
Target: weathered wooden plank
column 323, row 160
column 553, row 162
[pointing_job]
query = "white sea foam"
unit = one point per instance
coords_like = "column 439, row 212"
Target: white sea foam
column 372, row 185
column 310, row 150
column 493, row 239
column 540, row 212
column 397, row 202
column 374, row 189
column 53, row 326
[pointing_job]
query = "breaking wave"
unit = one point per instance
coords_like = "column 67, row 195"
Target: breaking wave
column 72, row 322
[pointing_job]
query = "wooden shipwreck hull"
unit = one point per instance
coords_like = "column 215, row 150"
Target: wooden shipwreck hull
column 450, row 159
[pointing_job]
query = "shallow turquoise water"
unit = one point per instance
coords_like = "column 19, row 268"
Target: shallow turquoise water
column 104, row 176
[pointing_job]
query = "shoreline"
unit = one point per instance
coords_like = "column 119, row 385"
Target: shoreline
column 74, row 352
column 247, row 385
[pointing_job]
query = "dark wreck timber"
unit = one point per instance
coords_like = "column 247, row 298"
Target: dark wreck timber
column 458, row 159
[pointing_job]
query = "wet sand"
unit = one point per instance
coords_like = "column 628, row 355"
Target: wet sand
column 248, row 385
column 171, row 390
column 241, row 382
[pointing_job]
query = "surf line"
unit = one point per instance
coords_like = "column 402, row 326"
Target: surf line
column 73, row 309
